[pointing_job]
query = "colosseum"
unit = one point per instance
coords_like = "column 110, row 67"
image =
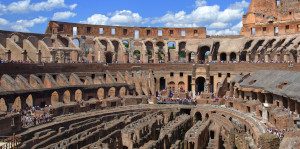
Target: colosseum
column 117, row 87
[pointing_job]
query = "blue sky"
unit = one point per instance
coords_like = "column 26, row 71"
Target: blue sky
column 219, row 16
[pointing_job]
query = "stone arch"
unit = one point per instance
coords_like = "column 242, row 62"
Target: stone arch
column 67, row 97
column 17, row 105
column 137, row 55
column 54, row 98
column 29, row 101
column 223, row 57
column 232, row 56
column 215, row 51
column 171, row 85
column 64, row 41
column 150, row 50
column 126, row 43
column 48, row 41
column 109, row 57
column 78, row 95
column 101, row 93
column 203, row 53
column 76, row 42
column 171, row 45
column 3, row 106
column 105, row 44
column 112, row 92
column 181, row 86
column 122, row 92
column 15, row 38
column 198, row 117
column 34, row 41
column 182, row 51
column 200, row 84
column 162, row 83
column 161, row 52
column 243, row 56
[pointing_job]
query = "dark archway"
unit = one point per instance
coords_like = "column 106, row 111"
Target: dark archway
column 198, row 117
column 233, row 56
column 150, row 50
column 109, row 57
column 200, row 83
column 104, row 43
column 203, row 53
column 162, row 83
column 243, row 56
column 223, row 57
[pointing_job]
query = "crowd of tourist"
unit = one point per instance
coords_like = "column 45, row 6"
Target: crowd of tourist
column 168, row 97
column 35, row 116
column 278, row 133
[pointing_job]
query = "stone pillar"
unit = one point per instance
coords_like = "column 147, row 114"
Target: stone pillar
column 228, row 57
column 265, row 112
column 53, row 56
column 193, row 87
column 256, row 57
column 277, row 57
column 248, row 57
column 267, row 58
column 209, row 58
column 218, row 57
column 238, row 57
column 286, row 57
column 298, row 58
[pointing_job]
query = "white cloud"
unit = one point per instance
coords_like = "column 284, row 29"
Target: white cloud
column 211, row 16
column 23, row 25
column 124, row 17
column 63, row 15
column 24, row 6
column 98, row 19
column 3, row 22
column 73, row 6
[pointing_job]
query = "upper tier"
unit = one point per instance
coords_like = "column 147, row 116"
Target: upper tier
column 75, row 29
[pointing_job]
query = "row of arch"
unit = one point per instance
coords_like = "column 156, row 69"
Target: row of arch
column 56, row 98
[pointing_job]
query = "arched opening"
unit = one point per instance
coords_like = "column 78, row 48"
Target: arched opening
column 150, row 50
column 29, row 101
column 126, row 44
column 64, row 41
column 78, row 95
column 233, row 56
column 67, row 97
column 104, row 43
column 223, row 57
column 122, row 92
column 116, row 45
column 76, row 42
column 108, row 57
column 34, row 41
column 112, row 92
column 200, row 84
column 54, row 98
column 162, row 83
column 198, row 117
column 101, row 93
column 181, row 86
column 48, row 41
column 182, row 52
column 212, row 134
column 243, row 56
column 171, row 86
column 137, row 55
column 161, row 52
column 215, row 51
column 203, row 53
column 3, row 106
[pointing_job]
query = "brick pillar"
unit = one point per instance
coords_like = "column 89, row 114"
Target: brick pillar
column 228, row 57
column 248, row 57
column 256, row 57
column 218, row 57
column 267, row 58
column 286, row 57
column 209, row 58
column 238, row 57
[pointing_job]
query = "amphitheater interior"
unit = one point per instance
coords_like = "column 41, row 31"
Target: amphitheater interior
column 117, row 87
